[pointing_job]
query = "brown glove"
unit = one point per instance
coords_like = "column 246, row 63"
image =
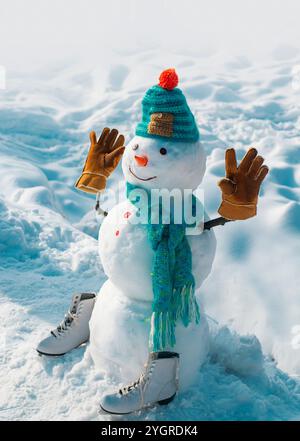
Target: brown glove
column 241, row 186
column 103, row 157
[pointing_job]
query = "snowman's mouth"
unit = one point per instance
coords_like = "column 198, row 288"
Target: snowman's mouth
column 141, row 179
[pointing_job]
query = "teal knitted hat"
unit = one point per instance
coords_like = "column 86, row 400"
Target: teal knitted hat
column 166, row 113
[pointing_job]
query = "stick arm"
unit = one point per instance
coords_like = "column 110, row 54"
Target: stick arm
column 215, row 222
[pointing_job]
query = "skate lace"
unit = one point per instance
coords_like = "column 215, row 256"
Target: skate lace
column 140, row 382
column 65, row 323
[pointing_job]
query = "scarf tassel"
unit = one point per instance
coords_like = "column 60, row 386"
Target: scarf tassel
column 163, row 324
column 188, row 310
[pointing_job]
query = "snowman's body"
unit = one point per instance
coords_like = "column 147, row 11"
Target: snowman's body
column 120, row 323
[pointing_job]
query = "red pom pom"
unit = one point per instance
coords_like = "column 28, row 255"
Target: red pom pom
column 168, row 79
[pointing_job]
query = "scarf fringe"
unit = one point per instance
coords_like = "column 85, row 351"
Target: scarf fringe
column 188, row 310
column 163, row 324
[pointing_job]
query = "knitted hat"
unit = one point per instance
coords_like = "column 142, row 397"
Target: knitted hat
column 166, row 113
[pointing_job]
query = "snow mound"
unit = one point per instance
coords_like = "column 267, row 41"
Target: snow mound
column 239, row 354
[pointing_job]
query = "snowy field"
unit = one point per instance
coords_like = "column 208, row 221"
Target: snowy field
column 48, row 231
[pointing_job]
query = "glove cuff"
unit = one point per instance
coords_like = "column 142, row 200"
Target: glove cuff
column 237, row 212
column 91, row 182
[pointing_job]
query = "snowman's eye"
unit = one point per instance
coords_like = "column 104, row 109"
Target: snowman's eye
column 163, row 151
column 135, row 147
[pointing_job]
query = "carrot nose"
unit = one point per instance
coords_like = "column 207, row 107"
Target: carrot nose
column 142, row 161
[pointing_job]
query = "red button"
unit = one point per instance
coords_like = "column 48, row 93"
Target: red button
column 117, row 233
column 127, row 214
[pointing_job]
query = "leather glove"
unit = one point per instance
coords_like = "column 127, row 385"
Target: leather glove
column 103, row 157
column 241, row 186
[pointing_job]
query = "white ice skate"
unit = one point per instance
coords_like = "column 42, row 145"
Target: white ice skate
column 73, row 330
column 158, row 384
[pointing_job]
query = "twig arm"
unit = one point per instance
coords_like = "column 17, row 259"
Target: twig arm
column 215, row 222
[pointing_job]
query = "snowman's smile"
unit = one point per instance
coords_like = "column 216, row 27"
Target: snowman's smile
column 141, row 179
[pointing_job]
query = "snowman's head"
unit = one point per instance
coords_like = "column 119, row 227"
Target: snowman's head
column 157, row 163
column 166, row 152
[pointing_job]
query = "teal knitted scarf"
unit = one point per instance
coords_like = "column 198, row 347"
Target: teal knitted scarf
column 173, row 283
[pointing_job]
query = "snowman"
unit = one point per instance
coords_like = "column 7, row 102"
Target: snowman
column 147, row 323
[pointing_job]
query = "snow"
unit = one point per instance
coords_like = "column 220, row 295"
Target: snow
column 48, row 230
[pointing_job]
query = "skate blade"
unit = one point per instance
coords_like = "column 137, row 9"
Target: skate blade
column 60, row 355
column 103, row 411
